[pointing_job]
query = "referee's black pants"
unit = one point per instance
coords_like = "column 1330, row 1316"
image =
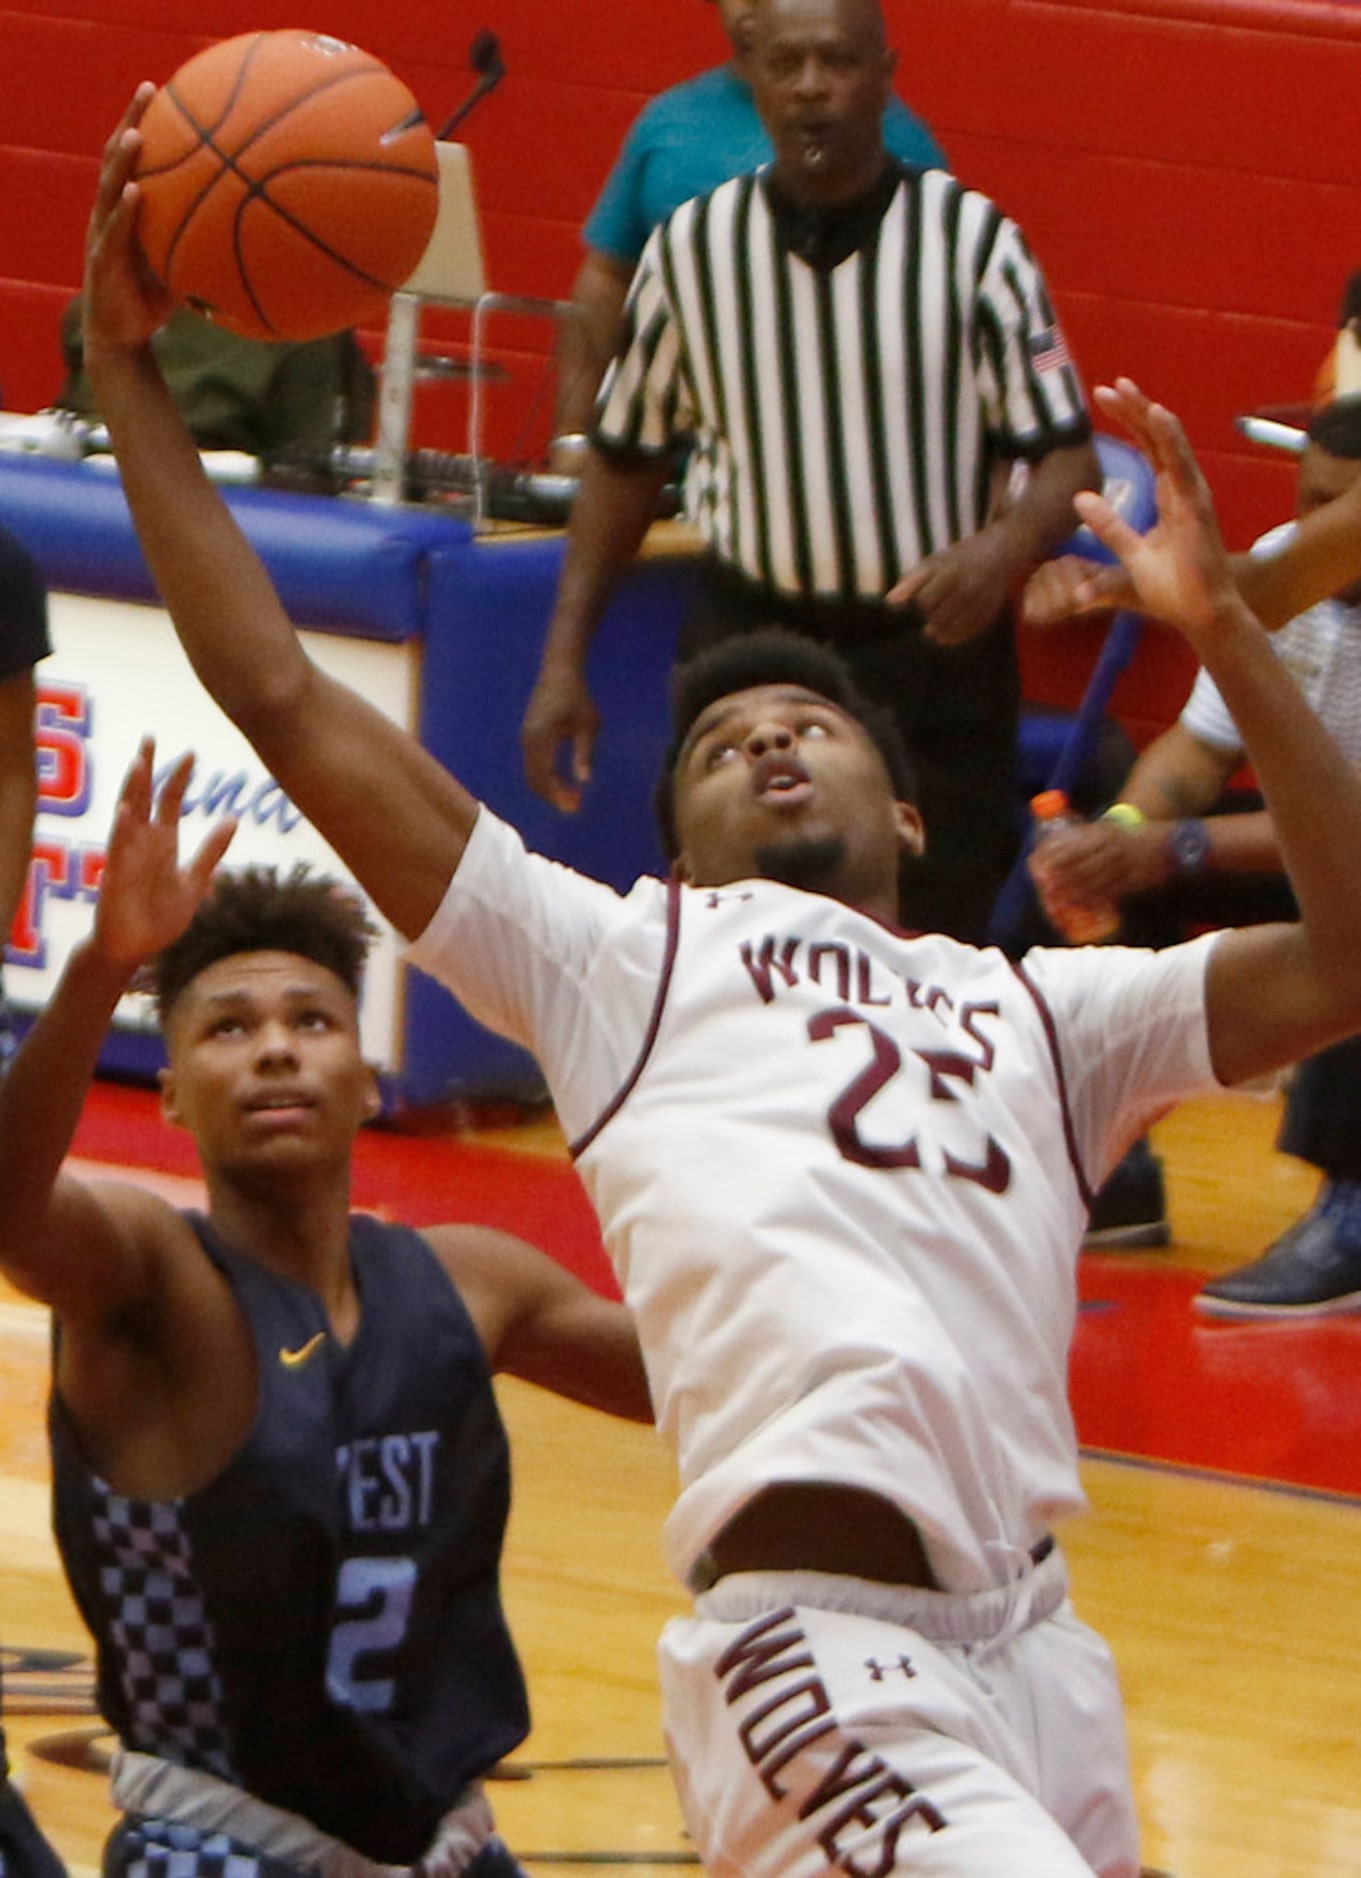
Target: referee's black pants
column 957, row 708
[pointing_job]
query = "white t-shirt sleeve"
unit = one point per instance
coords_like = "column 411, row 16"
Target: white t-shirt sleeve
column 1205, row 714
column 517, row 940
column 1133, row 1037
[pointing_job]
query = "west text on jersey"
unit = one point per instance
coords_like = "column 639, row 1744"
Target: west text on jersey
column 387, row 1481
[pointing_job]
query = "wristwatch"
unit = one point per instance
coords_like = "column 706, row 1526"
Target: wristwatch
column 1188, row 845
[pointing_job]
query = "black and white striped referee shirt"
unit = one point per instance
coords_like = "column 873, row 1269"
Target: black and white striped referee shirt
column 846, row 418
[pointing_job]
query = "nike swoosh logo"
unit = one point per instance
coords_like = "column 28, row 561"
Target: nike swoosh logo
column 294, row 1359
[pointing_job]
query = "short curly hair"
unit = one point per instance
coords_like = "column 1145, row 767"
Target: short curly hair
column 254, row 909
column 772, row 655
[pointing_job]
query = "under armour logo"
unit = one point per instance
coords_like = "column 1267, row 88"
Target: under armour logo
column 878, row 1671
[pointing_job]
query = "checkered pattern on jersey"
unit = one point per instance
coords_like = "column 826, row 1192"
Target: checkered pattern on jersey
column 159, row 1848
column 161, row 1633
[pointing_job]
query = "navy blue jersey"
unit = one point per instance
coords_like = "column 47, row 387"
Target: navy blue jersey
column 23, row 609
column 322, row 1623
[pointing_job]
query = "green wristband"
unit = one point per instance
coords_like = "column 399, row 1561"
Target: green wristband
column 1125, row 814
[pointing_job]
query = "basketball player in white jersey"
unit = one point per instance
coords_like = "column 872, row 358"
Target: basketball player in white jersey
column 842, row 1169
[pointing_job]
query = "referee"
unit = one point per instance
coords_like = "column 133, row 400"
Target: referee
column 857, row 353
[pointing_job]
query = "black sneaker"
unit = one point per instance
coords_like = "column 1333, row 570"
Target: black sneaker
column 24, row 1852
column 1307, row 1272
column 1130, row 1211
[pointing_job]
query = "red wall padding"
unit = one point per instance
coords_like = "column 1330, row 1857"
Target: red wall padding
column 1189, row 172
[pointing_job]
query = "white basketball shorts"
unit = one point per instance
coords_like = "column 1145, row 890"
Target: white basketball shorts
column 819, row 1724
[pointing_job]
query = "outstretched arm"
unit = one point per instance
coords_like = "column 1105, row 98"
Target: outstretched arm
column 1274, row 993
column 396, row 816
column 539, row 1322
column 1321, row 558
column 72, row 1246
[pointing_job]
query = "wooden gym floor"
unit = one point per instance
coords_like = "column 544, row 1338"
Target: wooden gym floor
column 1221, row 1555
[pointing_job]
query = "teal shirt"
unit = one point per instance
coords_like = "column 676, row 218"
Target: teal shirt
column 689, row 139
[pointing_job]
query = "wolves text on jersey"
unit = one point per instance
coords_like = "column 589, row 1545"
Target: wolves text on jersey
column 855, row 1802
column 853, row 976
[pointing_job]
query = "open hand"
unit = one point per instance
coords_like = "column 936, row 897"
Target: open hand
column 124, row 303
column 146, row 898
column 961, row 590
column 560, row 711
column 1070, row 587
column 1093, row 863
column 1179, row 571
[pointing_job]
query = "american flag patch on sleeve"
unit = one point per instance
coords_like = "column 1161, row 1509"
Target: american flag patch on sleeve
column 1049, row 350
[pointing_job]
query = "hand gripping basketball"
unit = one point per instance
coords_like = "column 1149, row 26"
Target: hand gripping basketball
column 289, row 184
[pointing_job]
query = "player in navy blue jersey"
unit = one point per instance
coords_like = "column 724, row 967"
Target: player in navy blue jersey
column 24, row 1853
column 281, row 1480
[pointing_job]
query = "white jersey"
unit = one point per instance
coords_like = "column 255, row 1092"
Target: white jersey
column 841, row 1172
column 1320, row 648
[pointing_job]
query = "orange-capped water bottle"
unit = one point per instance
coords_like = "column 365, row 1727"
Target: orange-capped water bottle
column 1085, row 924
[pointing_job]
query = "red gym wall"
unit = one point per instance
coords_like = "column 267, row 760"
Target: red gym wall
column 1189, row 172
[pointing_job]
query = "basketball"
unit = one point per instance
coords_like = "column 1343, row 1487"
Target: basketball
column 289, row 184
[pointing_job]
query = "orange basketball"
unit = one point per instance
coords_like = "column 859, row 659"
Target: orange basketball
column 289, row 184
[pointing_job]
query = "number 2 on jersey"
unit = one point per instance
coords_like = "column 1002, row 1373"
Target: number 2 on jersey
column 380, row 1591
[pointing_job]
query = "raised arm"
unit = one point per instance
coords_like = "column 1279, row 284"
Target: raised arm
column 1274, row 993
column 87, row 1250
column 1321, row 558
column 396, row 816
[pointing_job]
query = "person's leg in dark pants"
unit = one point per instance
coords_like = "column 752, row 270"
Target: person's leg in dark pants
column 1314, row 1268
column 958, row 709
column 1130, row 1211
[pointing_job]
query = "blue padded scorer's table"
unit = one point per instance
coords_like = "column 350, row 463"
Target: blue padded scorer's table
column 478, row 606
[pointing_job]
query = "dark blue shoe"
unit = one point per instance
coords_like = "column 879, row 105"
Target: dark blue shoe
column 1308, row 1272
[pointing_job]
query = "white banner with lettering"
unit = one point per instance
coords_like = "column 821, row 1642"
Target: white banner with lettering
column 116, row 674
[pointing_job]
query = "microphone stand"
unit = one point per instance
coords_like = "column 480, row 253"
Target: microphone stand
column 485, row 58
